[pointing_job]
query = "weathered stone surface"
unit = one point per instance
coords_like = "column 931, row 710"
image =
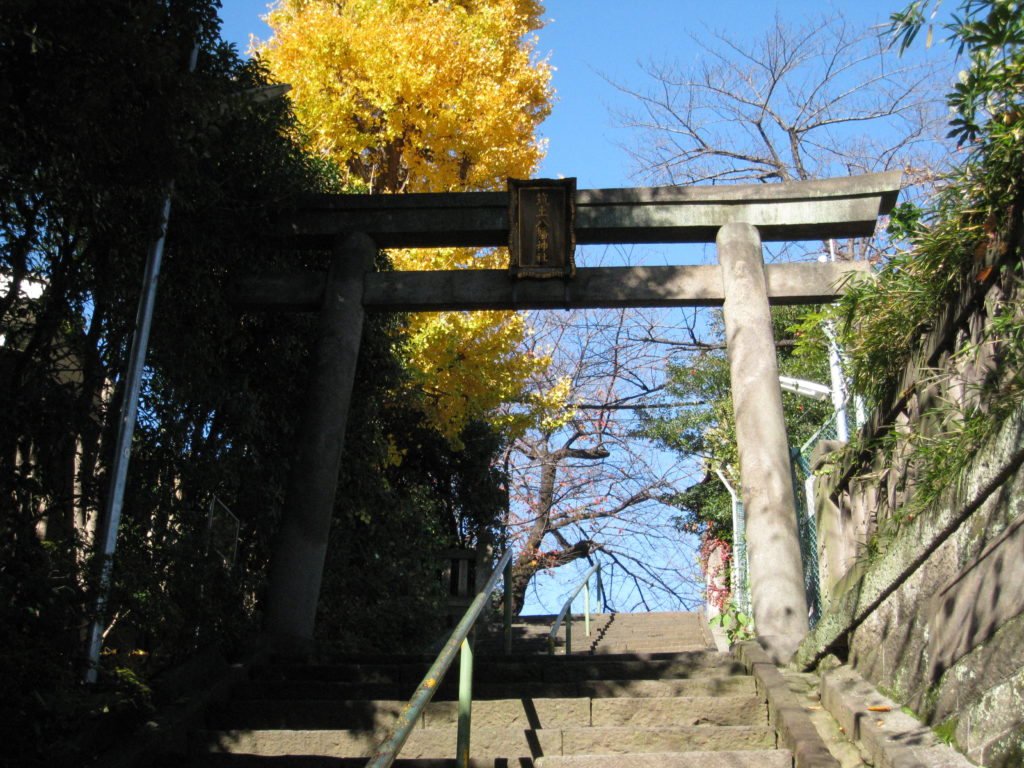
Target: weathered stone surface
column 702, row 704
column 796, row 732
column 938, row 617
column 739, row 685
column 759, row 758
column 642, row 648
column 647, row 286
column 300, row 545
column 985, row 595
column 708, row 665
column 702, row 710
column 657, row 632
column 842, row 207
column 1000, row 659
column 305, row 713
column 777, row 592
column 347, row 673
column 487, row 742
column 276, row 743
column 321, row 691
column 497, row 742
column 527, row 688
column 966, row 518
column 807, row 689
column 892, row 738
column 513, row 713
column 588, row 741
column 990, row 730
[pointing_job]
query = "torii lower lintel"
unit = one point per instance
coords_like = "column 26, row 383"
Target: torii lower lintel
column 593, row 287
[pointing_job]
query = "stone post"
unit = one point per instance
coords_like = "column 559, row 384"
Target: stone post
column 773, row 546
column 301, row 545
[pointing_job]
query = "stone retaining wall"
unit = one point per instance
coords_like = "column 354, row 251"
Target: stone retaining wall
column 932, row 610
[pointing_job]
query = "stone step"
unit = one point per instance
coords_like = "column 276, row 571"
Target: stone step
column 643, row 647
column 709, row 685
column 676, row 628
column 681, row 711
column 313, row 761
column 640, row 692
column 527, row 713
column 228, row 760
column 538, row 668
column 755, row 758
column 490, row 743
column 581, row 644
column 668, row 633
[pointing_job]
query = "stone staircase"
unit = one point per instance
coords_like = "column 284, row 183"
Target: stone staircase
column 643, row 690
column 609, row 633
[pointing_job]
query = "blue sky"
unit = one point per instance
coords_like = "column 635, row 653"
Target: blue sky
column 589, row 40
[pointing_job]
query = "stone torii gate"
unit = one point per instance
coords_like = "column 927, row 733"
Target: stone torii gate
column 737, row 217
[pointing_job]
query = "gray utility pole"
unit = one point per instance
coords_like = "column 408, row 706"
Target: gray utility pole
column 123, row 444
column 126, row 425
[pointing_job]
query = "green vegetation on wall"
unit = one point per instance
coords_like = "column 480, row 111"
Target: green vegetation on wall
column 963, row 239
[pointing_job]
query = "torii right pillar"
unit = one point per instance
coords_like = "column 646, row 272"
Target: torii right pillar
column 777, row 593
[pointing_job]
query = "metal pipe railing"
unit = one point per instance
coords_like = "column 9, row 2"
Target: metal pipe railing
column 585, row 585
column 389, row 749
column 508, row 608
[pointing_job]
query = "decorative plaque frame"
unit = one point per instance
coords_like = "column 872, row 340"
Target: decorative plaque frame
column 542, row 227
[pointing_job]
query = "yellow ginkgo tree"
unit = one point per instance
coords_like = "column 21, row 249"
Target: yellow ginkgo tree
column 426, row 96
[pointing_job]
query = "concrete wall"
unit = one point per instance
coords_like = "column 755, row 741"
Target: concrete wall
column 930, row 608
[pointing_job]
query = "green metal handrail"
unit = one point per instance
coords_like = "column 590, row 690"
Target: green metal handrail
column 585, row 585
column 388, row 751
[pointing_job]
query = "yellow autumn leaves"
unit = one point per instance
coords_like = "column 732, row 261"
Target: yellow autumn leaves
column 415, row 95
column 427, row 96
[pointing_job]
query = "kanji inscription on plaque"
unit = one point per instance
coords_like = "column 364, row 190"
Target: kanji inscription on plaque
column 542, row 240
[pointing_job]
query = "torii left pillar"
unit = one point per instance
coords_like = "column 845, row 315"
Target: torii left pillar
column 297, row 567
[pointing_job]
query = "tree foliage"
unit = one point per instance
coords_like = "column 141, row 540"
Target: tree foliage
column 420, row 96
column 99, row 116
column 583, row 483
column 412, row 95
column 701, row 424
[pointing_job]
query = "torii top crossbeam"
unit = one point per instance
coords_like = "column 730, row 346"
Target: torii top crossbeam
column 803, row 210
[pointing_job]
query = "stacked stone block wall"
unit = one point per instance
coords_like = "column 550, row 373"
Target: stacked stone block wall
column 931, row 610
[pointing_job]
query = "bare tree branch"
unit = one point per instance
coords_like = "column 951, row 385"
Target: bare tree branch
column 587, row 480
column 787, row 106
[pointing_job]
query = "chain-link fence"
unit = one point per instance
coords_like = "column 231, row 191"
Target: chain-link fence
column 740, row 579
column 803, row 491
